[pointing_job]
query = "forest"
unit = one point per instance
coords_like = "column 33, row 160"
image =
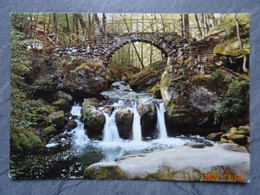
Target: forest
column 93, row 94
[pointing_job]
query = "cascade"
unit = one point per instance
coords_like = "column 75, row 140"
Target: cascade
column 137, row 130
column 161, row 120
column 110, row 132
column 79, row 137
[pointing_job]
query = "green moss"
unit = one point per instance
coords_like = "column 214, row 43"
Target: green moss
column 164, row 173
column 49, row 131
column 238, row 138
column 15, row 147
column 56, row 118
column 214, row 136
column 232, row 48
column 111, row 172
column 35, row 143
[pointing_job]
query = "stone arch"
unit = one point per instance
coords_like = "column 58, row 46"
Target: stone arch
column 119, row 41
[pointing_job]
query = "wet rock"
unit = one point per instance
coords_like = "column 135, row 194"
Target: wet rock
column 72, row 124
column 57, row 119
column 124, row 122
column 147, row 111
column 94, row 119
column 62, row 104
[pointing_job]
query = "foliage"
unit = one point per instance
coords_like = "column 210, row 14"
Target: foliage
column 228, row 22
column 235, row 102
column 20, row 64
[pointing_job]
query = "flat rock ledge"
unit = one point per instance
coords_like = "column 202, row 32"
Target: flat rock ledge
column 181, row 163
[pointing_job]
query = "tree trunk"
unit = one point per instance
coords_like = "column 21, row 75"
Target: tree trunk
column 140, row 60
column 241, row 46
column 198, row 24
column 163, row 24
column 82, row 24
column 186, row 26
column 68, row 25
column 55, row 27
column 206, row 23
column 203, row 25
column 104, row 23
column 181, row 24
column 76, row 27
column 97, row 21
column 48, row 27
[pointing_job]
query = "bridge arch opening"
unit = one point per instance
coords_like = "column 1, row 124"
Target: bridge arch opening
column 130, row 59
column 140, row 54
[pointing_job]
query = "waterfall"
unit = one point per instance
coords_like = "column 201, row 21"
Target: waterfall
column 161, row 121
column 137, row 130
column 79, row 137
column 110, row 132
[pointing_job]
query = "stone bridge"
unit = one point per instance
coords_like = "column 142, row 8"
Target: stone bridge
column 104, row 47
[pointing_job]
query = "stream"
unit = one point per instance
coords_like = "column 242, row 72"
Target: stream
column 77, row 151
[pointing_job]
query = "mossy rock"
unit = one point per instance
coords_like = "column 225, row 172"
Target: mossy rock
column 223, row 140
column 21, row 143
column 148, row 77
column 15, row 147
column 35, row 143
column 214, row 136
column 65, row 96
column 49, row 131
column 109, row 172
column 238, row 138
column 94, row 119
column 57, row 119
column 62, row 104
column 245, row 130
column 231, row 48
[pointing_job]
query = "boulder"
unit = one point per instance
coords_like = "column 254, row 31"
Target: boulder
column 49, row 131
column 24, row 142
column 94, row 119
column 148, row 77
column 62, row 104
column 180, row 163
column 57, row 119
column 238, row 135
column 245, row 130
column 238, row 138
column 124, row 122
column 72, row 124
column 82, row 78
column 148, row 115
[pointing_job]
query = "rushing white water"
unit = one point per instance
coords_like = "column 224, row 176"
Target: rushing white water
column 136, row 128
column 79, row 137
column 161, row 121
column 110, row 132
